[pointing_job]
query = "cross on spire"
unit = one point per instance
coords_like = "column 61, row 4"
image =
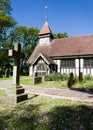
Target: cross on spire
column 46, row 14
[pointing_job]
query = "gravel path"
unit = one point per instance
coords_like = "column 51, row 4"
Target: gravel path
column 53, row 92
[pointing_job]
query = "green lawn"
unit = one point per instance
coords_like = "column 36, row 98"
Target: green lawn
column 10, row 78
column 29, row 81
column 84, row 85
column 2, row 92
column 43, row 113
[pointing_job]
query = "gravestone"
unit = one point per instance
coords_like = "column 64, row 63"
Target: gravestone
column 15, row 93
column 7, row 73
column 1, row 73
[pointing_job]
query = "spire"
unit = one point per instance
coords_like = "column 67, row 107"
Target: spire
column 45, row 29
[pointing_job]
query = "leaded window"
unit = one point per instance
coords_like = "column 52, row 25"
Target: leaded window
column 68, row 63
column 41, row 67
column 88, row 63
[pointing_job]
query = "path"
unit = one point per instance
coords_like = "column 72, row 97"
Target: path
column 53, row 92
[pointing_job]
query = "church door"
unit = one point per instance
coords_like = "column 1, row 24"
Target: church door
column 41, row 69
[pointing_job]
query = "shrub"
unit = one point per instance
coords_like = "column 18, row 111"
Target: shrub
column 70, row 80
column 87, row 77
column 56, row 77
column 75, row 79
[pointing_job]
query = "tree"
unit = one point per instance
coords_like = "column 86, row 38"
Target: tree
column 6, row 23
column 28, row 37
column 5, row 6
column 61, row 35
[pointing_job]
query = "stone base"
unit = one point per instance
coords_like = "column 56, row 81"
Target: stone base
column 15, row 95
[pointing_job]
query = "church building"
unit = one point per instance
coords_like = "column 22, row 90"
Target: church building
column 62, row 55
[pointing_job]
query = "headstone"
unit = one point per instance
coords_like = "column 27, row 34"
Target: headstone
column 1, row 73
column 15, row 93
column 7, row 73
column 81, row 76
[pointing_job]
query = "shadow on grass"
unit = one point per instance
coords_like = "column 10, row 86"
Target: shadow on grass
column 71, row 118
column 34, row 96
column 84, row 90
column 31, row 117
column 20, row 118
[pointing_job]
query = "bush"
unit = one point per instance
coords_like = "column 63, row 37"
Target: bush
column 56, row 77
column 70, row 81
column 87, row 77
column 75, row 79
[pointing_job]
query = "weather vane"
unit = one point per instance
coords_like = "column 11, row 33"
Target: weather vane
column 46, row 14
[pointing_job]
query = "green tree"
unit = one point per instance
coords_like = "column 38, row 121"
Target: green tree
column 61, row 35
column 6, row 23
column 5, row 6
column 28, row 38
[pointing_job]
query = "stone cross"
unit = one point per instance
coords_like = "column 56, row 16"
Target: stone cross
column 17, row 55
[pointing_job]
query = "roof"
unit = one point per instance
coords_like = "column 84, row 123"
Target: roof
column 45, row 29
column 81, row 45
column 73, row 46
column 46, row 58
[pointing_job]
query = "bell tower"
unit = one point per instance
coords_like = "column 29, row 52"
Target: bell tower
column 45, row 34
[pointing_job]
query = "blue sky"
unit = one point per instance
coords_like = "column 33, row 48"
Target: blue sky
column 72, row 16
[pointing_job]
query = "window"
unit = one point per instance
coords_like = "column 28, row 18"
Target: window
column 88, row 63
column 40, row 67
column 68, row 63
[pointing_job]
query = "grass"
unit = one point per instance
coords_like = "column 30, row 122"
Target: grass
column 51, row 84
column 43, row 113
column 86, row 84
column 4, row 78
column 2, row 93
column 26, row 80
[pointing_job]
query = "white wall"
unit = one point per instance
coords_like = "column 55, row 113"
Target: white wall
column 58, row 67
column 30, row 71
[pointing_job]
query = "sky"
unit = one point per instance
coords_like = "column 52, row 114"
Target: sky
column 75, row 17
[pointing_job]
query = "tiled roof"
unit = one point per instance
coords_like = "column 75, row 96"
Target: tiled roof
column 73, row 46
column 39, row 49
column 47, row 58
column 81, row 45
column 45, row 29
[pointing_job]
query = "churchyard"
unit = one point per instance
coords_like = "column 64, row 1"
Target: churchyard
column 45, row 113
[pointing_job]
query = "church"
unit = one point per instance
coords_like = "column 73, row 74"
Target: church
column 62, row 55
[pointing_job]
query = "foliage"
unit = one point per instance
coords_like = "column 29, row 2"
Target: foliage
column 56, row 77
column 26, row 80
column 61, row 35
column 70, row 81
column 88, row 77
column 6, row 23
column 5, row 6
column 2, row 93
column 43, row 113
column 28, row 38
